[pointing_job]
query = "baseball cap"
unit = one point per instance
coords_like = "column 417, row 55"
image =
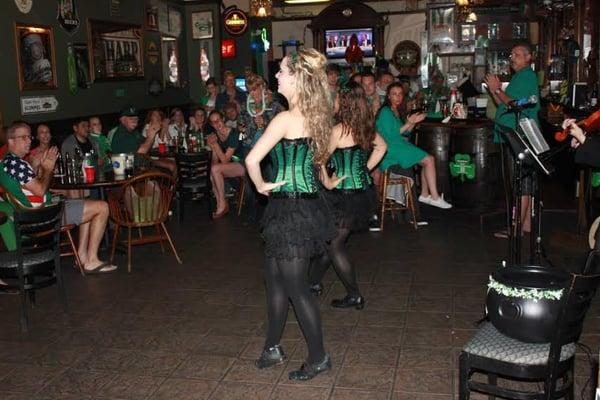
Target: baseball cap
column 129, row 111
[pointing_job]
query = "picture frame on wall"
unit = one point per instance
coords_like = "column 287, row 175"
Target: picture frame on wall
column 202, row 25
column 116, row 50
column 36, row 61
column 82, row 65
column 170, row 62
column 440, row 21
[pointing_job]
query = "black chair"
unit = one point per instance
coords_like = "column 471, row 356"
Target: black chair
column 193, row 172
column 497, row 355
column 35, row 263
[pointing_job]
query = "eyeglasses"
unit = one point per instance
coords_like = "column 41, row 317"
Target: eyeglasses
column 28, row 137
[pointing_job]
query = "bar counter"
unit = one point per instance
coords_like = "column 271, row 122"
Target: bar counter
column 466, row 158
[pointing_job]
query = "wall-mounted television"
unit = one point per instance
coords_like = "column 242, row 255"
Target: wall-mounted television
column 338, row 40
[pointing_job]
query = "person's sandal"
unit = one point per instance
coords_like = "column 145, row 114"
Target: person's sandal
column 270, row 357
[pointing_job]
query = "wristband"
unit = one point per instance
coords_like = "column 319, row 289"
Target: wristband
column 497, row 91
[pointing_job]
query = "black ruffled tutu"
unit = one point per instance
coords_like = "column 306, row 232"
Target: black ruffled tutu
column 352, row 209
column 297, row 228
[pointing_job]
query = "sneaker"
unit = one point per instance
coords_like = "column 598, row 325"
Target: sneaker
column 425, row 200
column 440, row 203
column 374, row 226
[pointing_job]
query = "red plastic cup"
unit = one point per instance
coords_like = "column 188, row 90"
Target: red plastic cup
column 162, row 148
column 90, row 174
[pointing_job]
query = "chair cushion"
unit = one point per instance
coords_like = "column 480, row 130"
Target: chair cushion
column 488, row 342
column 9, row 259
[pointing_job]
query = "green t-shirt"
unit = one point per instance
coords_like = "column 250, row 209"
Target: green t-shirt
column 124, row 141
column 232, row 142
column 523, row 84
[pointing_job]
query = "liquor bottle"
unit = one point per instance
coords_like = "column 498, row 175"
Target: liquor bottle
column 68, row 172
column 129, row 165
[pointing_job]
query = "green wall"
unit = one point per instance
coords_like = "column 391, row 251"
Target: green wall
column 101, row 97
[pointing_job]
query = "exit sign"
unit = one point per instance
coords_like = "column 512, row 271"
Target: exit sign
column 228, row 48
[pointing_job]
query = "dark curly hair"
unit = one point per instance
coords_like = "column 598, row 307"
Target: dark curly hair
column 355, row 115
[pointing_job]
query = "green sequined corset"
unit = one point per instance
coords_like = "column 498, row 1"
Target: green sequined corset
column 293, row 163
column 351, row 162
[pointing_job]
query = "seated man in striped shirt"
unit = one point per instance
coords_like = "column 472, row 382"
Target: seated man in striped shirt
column 31, row 188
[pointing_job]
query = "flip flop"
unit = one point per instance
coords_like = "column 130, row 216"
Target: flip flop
column 103, row 268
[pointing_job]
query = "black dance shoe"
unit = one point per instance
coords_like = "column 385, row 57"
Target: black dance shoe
column 309, row 371
column 270, row 357
column 357, row 302
column 316, row 289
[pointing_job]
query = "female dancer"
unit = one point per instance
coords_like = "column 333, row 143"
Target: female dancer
column 395, row 127
column 296, row 225
column 353, row 199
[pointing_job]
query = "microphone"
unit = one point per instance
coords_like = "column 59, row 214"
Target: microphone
column 524, row 102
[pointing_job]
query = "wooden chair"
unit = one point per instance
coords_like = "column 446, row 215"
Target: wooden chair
column 67, row 246
column 35, row 263
column 495, row 354
column 241, row 193
column 390, row 206
column 193, row 173
column 143, row 202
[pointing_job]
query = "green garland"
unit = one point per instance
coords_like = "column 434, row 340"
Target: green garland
column 528, row 294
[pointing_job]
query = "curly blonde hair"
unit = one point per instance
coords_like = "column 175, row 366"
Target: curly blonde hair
column 312, row 98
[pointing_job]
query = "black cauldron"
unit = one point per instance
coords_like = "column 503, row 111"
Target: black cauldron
column 522, row 303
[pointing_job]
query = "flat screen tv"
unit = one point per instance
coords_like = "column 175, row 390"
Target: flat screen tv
column 338, row 40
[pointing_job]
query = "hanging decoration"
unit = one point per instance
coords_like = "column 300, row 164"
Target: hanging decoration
column 24, row 5
column 260, row 8
column 71, row 69
column 67, row 16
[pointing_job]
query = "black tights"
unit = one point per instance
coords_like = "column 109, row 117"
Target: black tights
column 287, row 279
column 337, row 255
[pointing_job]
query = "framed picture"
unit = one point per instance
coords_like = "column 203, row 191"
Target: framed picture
column 35, row 57
column 151, row 18
column 440, row 21
column 202, row 25
column 82, row 65
column 170, row 61
column 115, row 50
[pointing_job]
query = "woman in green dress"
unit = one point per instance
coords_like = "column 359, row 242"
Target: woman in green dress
column 395, row 127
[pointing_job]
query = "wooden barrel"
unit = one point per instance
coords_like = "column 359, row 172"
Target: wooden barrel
column 474, row 167
column 435, row 140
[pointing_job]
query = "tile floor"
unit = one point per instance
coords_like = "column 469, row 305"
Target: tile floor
column 191, row 331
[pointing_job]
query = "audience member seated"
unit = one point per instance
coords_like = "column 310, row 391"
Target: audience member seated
column 157, row 120
column 333, row 75
column 199, row 127
column 384, row 80
column 368, row 85
column 79, row 141
column 231, row 93
column 177, row 126
column 231, row 113
column 225, row 146
column 37, row 154
column 101, row 141
column 31, row 188
column 395, row 127
column 127, row 139
column 209, row 100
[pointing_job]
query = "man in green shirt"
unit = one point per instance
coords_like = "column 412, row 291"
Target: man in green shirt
column 127, row 139
column 523, row 84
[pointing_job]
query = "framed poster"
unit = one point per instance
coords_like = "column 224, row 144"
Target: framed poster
column 82, row 65
column 202, row 25
column 115, row 50
column 35, row 57
column 170, row 61
column 440, row 21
